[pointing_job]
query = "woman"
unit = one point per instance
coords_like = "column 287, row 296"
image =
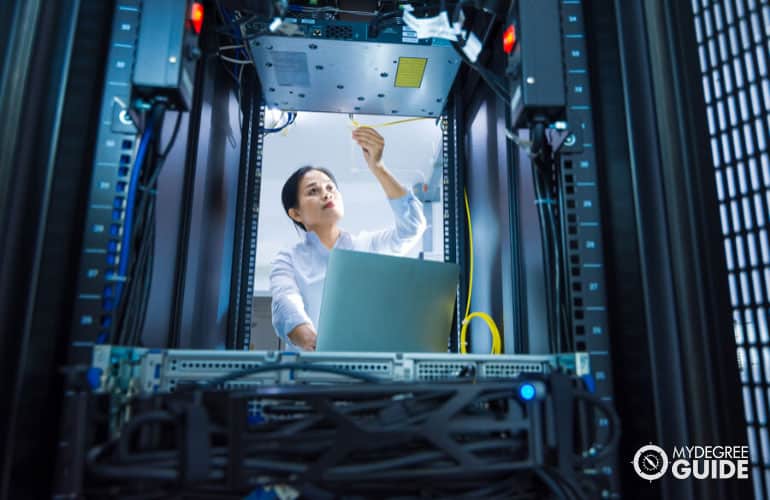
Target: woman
column 311, row 199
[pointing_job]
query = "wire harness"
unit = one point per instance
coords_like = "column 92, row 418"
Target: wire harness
column 483, row 438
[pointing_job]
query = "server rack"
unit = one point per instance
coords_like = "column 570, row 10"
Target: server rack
column 634, row 23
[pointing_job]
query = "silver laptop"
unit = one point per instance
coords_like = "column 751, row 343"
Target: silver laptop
column 380, row 303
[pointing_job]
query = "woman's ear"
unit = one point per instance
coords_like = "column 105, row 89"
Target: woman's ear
column 294, row 214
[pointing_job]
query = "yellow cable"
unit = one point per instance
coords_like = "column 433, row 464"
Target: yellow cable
column 386, row 124
column 496, row 342
column 470, row 247
column 493, row 330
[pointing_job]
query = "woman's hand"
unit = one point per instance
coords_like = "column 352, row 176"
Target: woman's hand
column 372, row 144
column 303, row 336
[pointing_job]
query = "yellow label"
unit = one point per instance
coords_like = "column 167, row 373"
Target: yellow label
column 410, row 72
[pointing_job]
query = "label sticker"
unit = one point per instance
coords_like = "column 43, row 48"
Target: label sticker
column 410, row 72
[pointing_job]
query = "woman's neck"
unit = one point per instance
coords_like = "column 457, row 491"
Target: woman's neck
column 327, row 234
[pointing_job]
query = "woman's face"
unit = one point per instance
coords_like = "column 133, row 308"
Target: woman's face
column 319, row 202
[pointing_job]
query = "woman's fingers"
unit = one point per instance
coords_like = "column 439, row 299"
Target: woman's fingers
column 371, row 142
column 370, row 133
column 367, row 143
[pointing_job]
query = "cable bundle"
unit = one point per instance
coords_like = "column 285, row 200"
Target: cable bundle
column 138, row 239
column 367, row 440
column 550, row 205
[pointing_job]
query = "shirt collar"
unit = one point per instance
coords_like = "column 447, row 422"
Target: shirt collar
column 312, row 239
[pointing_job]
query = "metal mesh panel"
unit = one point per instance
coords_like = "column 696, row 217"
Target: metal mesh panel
column 733, row 47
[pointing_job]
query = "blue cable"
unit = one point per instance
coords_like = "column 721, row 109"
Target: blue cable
column 290, row 120
column 128, row 221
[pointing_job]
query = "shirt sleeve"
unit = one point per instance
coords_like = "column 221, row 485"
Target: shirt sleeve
column 410, row 225
column 288, row 308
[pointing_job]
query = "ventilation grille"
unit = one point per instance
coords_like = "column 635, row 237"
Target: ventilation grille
column 733, row 46
column 438, row 370
column 212, row 365
column 377, row 368
column 338, row 32
column 503, row 370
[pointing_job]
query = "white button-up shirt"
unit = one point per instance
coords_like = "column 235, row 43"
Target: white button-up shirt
column 298, row 273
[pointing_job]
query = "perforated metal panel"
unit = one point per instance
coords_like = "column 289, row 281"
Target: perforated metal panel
column 335, row 74
column 157, row 370
column 734, row 46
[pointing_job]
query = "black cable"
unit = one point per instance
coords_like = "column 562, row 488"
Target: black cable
column 541, row 200
column 172, row 140
column 143, row 241
column 387, row 17
column 497, row 87
column 125, row 319
column 552, row 234
column 413, row 465
column 567, row 483
column 146, row 225
column 554, row 228
column 146, row 273
column 127, row 433
column 552, row 484
column 607, row 449
column 140, row 267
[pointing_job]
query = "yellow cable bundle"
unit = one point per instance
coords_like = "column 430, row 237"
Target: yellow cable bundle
column 496, row 342
column 386, row 124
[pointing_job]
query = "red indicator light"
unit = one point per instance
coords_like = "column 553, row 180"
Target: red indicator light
column 196, row 17
column 509, row 39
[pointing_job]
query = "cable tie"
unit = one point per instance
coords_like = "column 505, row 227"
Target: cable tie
column 544, row 201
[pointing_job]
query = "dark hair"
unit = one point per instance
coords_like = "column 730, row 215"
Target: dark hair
column 290, row 191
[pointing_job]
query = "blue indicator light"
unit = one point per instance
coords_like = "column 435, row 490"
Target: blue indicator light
column 527, row 392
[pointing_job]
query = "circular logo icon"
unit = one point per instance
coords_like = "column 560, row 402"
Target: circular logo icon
column 650, row 462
